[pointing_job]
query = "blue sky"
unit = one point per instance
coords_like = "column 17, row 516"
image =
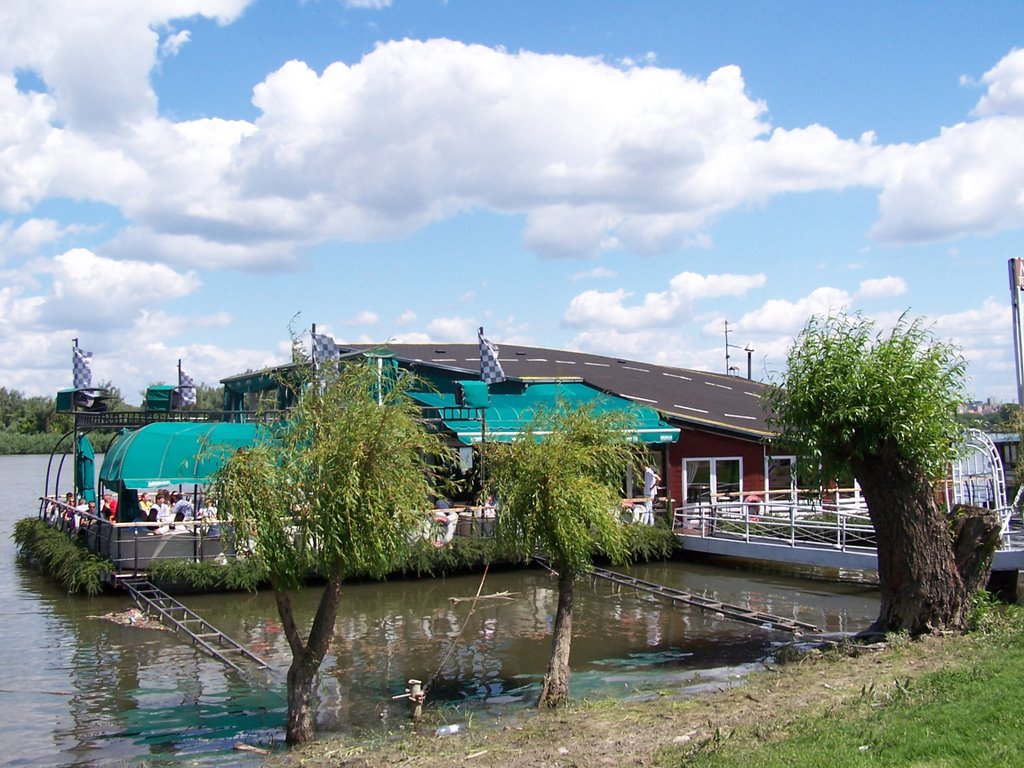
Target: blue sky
column 187, row 179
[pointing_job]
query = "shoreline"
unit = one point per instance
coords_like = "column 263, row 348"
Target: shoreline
column 658, row 732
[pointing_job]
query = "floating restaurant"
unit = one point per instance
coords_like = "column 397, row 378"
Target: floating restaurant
column 726, row 491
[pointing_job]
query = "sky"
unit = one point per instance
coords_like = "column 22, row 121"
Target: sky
column 202, row 179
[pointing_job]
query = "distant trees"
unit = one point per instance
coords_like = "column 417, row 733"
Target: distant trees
column 340, row 491
column 885, row 406
column 559, row 495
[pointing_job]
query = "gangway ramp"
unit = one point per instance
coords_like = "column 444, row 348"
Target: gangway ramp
column 727, row 610
column 186, row 623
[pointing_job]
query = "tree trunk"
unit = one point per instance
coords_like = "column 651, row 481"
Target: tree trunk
column 975, row 538
column 306, row 658
column 556, row 681
column 921, row 588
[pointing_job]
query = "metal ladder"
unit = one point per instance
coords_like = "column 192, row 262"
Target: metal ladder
column 728, row 610
column 184, row 621
column 672, row 596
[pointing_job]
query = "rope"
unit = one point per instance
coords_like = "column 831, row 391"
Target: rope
column 455, row 640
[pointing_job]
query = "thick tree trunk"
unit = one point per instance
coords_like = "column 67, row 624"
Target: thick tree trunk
column 975, row 538
column 921, row 588
column 306, row 658
column 556, row 681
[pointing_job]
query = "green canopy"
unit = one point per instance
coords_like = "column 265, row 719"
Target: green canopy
column 85, row 473
column 173, row 453
column 509, row 414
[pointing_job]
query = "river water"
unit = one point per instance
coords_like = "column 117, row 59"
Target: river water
column 79, row 690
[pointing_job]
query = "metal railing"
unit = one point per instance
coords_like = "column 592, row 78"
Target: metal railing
column 131, row 547
column 842, row 526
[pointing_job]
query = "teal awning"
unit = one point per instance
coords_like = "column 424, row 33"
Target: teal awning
column 85, row 473
column 173, row 453
column 509, row 414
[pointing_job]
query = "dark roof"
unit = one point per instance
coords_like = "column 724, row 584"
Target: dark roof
column 709, row 401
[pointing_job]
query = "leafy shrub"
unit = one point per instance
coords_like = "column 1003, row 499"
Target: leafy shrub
column 65, row 559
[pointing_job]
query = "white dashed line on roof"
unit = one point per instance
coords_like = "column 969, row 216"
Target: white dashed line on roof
column 631, row 368
column 737, row 416
column 642, row 399
column 689, row 408
column 676, row 376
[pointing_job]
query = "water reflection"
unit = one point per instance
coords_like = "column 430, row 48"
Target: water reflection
column 85, row 691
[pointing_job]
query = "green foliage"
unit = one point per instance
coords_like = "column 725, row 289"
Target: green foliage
column 560, row 493
column 66, row 560
column 187, row 575
column 849, row 392
column 341, row 489
column 648, row 543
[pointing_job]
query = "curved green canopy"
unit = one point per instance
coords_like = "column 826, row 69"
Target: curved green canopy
column 173, row 453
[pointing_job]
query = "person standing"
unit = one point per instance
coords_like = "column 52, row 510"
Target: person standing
column 651, row 480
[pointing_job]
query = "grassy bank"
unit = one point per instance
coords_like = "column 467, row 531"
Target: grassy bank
column 939, row 701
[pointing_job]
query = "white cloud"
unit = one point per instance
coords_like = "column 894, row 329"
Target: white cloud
column 174, row 43
column 595, row 273
column 595, row 156
column 451, row 329
column 374, row 5
column 365, row 317
column 407, row 318
column 28, row 236
column 882, row 287
column 95, row 57
column 779, row 316
column 1005, row 83
column 611, row 310
column 92, row 292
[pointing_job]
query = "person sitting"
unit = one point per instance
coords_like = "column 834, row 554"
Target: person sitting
column 181, row 504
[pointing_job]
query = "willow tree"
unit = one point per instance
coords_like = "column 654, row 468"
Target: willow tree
column 559, row 489
column 885, row 407
column 338, row 492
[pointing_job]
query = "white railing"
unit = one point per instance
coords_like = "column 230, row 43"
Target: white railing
column 843, row 526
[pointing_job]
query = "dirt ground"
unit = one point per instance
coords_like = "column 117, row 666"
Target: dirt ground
column 613, row 733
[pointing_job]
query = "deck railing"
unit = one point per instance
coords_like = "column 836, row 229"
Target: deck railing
column 131, row 547
column 843, row 526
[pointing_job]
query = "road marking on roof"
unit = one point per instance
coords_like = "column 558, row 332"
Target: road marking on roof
column 536, row 359
column 720, row 386
column 753, row 394
column 566, row 362
column 635, row 397
column 598, row 365
column 676, row 376
column 688, row 408
column 737, row 416
column 631, row 368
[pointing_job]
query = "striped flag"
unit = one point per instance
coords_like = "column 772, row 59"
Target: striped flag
column 81, row 368
column 186, row 388
column 490, row 367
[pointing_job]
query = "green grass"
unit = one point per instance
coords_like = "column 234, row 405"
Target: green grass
column 972, row 715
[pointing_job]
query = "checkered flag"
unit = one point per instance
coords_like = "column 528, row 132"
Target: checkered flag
column 325, row 348
column 186, row 388
column 81, row 368
column 490, row 366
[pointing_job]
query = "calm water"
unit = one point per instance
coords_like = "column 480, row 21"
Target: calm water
column 80, row 690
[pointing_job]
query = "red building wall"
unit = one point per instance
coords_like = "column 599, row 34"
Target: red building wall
column 697, row 444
